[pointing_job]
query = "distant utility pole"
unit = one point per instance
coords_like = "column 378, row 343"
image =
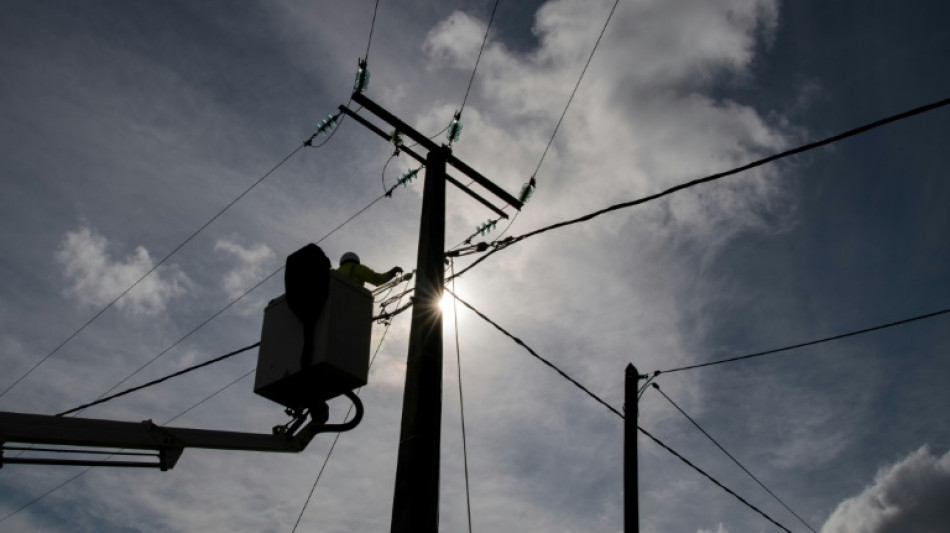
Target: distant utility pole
column 631, row 496
column 416, row 496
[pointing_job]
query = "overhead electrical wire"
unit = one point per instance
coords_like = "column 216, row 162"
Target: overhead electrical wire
column 536, row 355
column 646, row 383
column 458, row 358
column 576, row 86
column 809, row 343
column 88, row 468
column 500, row 245
column 184, row 337
column 383, row 173
column 337, row 436
column 612, row 409
column 372, row 26
column 455, row 126
column 161, row 379
column 478, row 59
column 734, row 460
column 710, row 478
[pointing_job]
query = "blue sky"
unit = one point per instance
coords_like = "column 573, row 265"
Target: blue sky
column 127, row 125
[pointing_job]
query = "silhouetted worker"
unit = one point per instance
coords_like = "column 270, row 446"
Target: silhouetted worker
column 306, row 285
column 350, row 267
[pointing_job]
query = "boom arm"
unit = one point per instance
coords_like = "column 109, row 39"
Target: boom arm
column 169, row 442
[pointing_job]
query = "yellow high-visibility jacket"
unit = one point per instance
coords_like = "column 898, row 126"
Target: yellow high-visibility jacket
column 363, row 274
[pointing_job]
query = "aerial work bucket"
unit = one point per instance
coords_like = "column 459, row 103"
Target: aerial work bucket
column 339, row 359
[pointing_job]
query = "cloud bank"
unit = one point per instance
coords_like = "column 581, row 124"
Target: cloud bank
column 911, row 496
column 646, row 116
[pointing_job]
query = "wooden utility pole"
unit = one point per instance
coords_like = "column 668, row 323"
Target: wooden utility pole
column 631, row 497
column 416, row 499
column 416, row 496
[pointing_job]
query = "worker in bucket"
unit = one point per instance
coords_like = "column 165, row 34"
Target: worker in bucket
column 350, row 267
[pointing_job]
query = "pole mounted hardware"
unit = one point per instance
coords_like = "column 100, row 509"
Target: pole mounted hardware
column 415, row 155
column 429, row 145
column 468, row 250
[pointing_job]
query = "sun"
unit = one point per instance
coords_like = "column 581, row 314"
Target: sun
column 445, row 303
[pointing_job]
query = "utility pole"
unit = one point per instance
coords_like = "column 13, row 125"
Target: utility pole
column 416, row 496
column 631, row 497
column 415, row 501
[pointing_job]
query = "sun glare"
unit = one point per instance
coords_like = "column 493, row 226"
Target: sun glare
column 445, row 304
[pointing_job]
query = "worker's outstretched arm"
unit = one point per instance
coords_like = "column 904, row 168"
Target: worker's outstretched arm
column 367, row 275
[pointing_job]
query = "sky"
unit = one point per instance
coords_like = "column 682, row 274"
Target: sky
column 128, row 125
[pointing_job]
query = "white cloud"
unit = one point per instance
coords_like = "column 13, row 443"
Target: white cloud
column 455, row 41
column 640, row 121
column 95, row 278
column 910, row 496
column 254, row 263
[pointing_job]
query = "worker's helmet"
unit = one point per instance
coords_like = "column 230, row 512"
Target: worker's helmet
column 349, row 257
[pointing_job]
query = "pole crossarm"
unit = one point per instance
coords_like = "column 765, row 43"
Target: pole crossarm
column 413, row 154
column 378, row 131
column 429, row 145
column 476, row 196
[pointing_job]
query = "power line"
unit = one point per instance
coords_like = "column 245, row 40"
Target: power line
column 153, row 269
column 398, row 311
column 474, row 70
column 538, row 357
column 576, row 85
column 612, row 409
column 186, row 335
column 372, row 26
column 47, row 493
column 710, row 478
column 162, row 379
column 646, row 384
column 809, row 343
column 734, row 460
column 337, row 437
column 458, row 358
column 169, row 421
column 210, row 396
column 500, row 245
column 508, row 226
column 383, row 173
